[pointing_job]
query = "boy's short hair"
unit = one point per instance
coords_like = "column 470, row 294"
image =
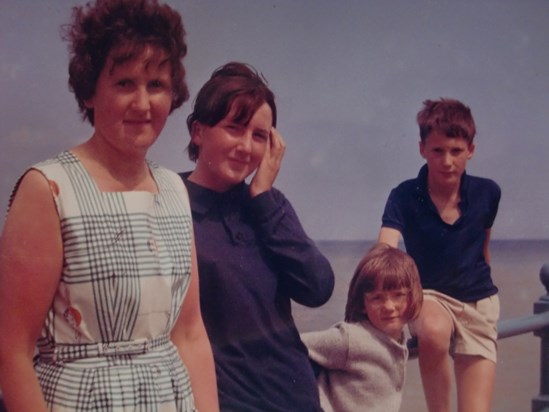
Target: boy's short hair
column 447, row 116
column 383, row 267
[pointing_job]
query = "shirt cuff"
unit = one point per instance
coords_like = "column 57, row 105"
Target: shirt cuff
column 264, row 206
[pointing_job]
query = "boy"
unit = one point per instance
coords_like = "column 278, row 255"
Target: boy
column 445, row 217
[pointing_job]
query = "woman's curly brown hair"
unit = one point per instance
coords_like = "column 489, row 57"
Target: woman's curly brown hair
column 128, row 26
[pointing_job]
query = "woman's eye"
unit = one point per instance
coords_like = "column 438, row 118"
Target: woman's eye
column 123, row 83
column 157, row 84
column 233, row 129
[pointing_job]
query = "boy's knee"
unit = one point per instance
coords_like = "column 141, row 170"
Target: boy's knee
column 434, row 339
column 434, row 328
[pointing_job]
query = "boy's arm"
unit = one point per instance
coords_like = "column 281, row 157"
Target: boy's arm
column 487, row 245
column 389, row 236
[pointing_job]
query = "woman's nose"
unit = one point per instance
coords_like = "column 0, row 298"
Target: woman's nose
column 141, row 100
column 245, row 143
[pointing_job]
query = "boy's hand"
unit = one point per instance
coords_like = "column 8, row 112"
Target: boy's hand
column 267, row 171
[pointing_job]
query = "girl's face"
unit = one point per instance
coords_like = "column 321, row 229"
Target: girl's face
column 386, row 310
column 229, row 152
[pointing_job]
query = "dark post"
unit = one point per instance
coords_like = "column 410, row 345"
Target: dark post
column 541, row 402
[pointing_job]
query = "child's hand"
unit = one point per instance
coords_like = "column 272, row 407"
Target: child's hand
column 267, row 171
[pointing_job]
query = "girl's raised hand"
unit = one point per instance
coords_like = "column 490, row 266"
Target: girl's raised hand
column 269, row 167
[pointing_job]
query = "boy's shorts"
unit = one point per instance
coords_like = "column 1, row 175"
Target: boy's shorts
column 474, row 323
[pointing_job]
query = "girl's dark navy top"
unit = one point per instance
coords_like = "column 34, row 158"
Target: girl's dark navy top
column 254, row 258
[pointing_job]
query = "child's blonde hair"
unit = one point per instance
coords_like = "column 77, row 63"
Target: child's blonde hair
column 383, row 267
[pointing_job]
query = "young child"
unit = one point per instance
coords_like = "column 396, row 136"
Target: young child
column 362, row 361
column 445, row 217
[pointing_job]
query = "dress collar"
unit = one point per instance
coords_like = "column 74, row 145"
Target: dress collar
column 203, row 199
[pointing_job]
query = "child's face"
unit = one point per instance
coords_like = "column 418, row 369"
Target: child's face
column 386, row 310
column 230, row 152
column 446, row 158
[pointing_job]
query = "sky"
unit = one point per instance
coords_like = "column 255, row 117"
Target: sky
column 349, row 78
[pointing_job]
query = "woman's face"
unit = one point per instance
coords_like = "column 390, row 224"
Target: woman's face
column 229, row 152
column 132, row 102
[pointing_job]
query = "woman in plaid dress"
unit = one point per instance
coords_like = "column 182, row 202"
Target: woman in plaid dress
column 98, row 272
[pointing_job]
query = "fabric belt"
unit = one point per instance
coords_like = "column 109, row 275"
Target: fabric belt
column 69, row 352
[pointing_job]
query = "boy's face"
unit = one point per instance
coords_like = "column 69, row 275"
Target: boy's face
column 446, row 158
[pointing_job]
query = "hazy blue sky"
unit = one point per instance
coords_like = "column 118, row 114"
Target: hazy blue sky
column 349, row 77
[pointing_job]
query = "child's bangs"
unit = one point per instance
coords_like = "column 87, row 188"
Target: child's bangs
column 393, row 280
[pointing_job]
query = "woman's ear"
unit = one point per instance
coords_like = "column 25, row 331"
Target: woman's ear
column 197, row 130
column 88, row 104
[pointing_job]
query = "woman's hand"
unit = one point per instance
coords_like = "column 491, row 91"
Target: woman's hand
column 267, row 171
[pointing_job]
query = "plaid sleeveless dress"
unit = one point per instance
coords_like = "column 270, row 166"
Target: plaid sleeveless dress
column 105, row 342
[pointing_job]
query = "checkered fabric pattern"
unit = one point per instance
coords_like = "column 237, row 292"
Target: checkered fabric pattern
column 104, row 345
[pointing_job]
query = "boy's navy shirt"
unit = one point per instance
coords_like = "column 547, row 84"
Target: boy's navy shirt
column 253, row 259
column 450, row 257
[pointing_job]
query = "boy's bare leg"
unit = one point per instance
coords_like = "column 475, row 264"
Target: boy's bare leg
column 475, row 377
column 434, row 329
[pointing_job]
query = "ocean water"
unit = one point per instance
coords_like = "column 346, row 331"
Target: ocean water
column 515, row 270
